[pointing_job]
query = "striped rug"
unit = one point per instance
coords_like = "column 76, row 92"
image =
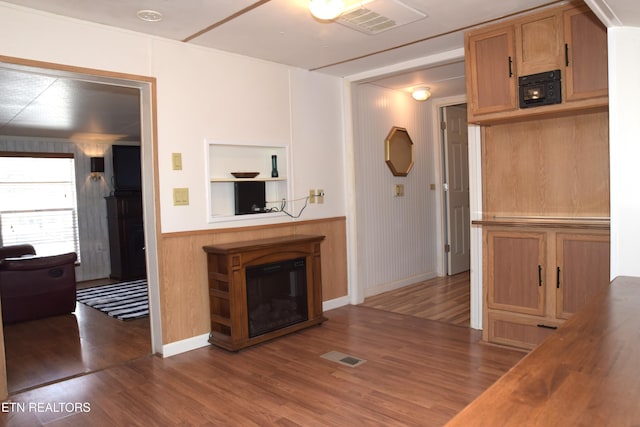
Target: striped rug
column 124, row 301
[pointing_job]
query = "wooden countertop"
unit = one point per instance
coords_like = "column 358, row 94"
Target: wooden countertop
column 586, row 374
column 545, row 222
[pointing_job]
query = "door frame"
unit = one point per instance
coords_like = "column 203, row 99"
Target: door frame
column 447, row 193
column 475, row 203
column 441, row 208
column 148, row 143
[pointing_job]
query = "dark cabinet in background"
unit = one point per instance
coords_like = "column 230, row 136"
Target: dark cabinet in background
column 126, row 237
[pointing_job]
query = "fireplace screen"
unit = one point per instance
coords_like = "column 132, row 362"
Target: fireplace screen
column 276, row 295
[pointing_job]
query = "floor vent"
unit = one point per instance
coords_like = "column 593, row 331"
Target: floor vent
column 376, row 16
column 343, row 359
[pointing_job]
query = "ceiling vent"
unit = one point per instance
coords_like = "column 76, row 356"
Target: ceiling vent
column 376, row 16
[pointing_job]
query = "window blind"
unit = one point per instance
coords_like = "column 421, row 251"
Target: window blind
column 38, row 202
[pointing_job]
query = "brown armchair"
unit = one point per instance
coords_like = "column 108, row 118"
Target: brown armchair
column 33, row 287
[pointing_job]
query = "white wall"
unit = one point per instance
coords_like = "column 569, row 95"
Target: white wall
column 317, row 141
column 624, row 150
column 395, row 235
column 214, row 96
column 46, row 37
column 203, row 94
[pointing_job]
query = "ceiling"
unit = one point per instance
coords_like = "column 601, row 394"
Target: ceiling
column 40, row 105
column 281, row 31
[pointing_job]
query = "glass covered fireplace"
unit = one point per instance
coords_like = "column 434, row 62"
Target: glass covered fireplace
column 263, row 289
column 276, row 295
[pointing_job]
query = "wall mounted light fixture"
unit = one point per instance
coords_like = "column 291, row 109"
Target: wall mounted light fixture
column 421, row 93
column 97, row 168
column 326, row 10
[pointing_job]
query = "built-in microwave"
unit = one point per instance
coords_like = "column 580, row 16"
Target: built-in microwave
column 540, row 89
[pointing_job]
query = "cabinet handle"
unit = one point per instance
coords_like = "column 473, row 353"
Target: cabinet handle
column 539, row 275
column 566, row 54
column 542, row 325
column 510, row 67
column 558, row 278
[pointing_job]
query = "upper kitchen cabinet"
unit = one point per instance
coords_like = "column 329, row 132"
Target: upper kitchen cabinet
column 491, row 80
column 585, row 55
column 568, row 38
column 539, row 46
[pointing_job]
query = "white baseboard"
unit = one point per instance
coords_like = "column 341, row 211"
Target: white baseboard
column 386, row 287
column 335, row 303
column 183, row 346
column 200, row 341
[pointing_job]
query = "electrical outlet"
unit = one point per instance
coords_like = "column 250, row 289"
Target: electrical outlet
column 312, row 196
column 399, row 190
column 180, row 196
column 320, row 196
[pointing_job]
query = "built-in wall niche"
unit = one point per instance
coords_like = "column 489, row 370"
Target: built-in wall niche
column 224, row 159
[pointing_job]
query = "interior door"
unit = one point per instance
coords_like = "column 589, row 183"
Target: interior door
column 456, row 157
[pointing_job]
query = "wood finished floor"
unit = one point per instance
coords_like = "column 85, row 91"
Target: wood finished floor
column 446, row 299
column 89, row 340
column 48, row 350
column 417, row 372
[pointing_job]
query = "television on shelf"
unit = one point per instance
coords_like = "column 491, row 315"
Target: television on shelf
column 127, row 172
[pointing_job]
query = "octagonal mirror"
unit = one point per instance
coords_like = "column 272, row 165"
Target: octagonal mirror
column 399, row 151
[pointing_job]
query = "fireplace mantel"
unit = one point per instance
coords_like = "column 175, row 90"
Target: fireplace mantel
column 227, row 264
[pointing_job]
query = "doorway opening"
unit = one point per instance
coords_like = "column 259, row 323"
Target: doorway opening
column 84, row 335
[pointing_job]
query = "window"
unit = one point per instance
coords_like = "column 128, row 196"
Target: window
column 38, row 202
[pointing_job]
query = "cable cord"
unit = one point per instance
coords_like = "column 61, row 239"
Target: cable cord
column 283, row 205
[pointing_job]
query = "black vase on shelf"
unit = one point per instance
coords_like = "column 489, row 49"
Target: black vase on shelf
column 274, row 166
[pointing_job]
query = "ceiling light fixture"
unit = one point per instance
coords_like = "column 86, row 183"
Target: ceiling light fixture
column 421, row 93
column 149, row 15
column 326, row 10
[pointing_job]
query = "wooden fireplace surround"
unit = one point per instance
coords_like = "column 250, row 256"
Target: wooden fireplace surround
column 227, row 263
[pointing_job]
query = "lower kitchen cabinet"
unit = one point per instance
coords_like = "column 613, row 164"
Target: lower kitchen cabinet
column 535, row 278
column 582, row 270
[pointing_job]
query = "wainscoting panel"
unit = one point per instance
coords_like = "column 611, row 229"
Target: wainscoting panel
column 183, row 270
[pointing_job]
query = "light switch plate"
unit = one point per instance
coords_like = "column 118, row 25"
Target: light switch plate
column 176, row 161
column 180, row 196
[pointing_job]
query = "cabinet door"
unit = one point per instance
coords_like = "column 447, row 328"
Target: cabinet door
column 539, row 43
column 491, row 71
column 586, row 55
column 582, row 271
column 519, row 330
column 515, row 263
